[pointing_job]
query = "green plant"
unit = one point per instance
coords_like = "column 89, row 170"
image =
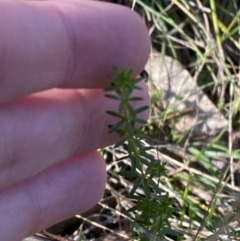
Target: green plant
column 153, row 209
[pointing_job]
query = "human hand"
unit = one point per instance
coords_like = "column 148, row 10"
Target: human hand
column 55, row 58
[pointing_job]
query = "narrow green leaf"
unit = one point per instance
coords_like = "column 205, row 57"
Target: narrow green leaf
column 120, row 143
column 136, row 197
column 219, row 147
column 114, row 114
column 135, row 186
column 131, row 111
column 236, row 154
column 141, row 109
column 144, row 161
column 155, row 186
column 146, row 188
column 135, row 98
column 112, row 97
column 132, row 209
column 129, row 129
column 216, row 154
column 115, row 127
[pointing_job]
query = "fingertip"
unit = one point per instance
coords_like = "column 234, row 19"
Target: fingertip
column 62, row 191
column 68, row 44
column 140, row 42
column 115, row 36
column 135, row 46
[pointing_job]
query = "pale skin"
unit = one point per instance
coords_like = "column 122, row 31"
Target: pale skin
column 55, row 59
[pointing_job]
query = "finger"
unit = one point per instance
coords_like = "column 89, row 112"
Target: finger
column 45, row 128
column 71, row 44
column 58, row 193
